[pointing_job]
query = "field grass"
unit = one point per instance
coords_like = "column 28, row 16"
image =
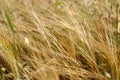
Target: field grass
column 59, row 40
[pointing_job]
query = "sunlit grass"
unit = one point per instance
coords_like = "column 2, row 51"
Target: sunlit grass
column 59, row 40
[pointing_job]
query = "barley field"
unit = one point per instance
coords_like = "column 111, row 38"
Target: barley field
column 59, row 40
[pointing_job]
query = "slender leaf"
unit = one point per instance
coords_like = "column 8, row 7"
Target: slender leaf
column 9, row 21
